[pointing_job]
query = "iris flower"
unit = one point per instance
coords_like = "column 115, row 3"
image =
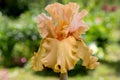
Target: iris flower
column 62, row 46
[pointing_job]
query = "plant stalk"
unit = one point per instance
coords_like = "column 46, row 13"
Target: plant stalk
column 63, row 76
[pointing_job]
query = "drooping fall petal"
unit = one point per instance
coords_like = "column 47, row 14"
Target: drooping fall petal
column 50, row 54
column 86, row 55
column 66, row 55
column 62, row 56
column 36, row 59
column 58, row 55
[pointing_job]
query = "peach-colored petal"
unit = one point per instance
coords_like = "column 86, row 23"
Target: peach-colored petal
column 66, row 55
column 62, row 56
column 36, row 59
column 94, row 65
column 55, row 10
column 50, row 55
column 77, row 22
column 68, row 16
column 62, row 12
column 46, row 55
column 74, row 7
column 69, row 10
column 45, row 26
column 93, row 62
column 58, row 55
column 62, row 45
column 86, row 55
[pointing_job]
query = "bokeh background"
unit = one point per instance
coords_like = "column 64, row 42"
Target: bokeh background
column 19, row 38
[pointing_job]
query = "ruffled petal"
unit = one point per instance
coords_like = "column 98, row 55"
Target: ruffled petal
column 56, row 11
column 66, row 55
column 78, row 23
column 86, row 55
column 36, row 59
column 62, row 46
column 69, row 10
column 60, row 56
column 62, row 12
column 73, row 6
column 45, row 26
column 50, row 55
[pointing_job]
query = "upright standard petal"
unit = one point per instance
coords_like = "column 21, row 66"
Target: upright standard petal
column 56, row 11
column 62, row 12
column 69, row 10
column 78, row 23
column 45, row 26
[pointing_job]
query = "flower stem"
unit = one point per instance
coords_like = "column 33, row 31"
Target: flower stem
column 63, row 76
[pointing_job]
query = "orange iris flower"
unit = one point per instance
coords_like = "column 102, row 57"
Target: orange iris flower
column 62, row 46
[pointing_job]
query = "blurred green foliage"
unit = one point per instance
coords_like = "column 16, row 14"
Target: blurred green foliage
column 20, row 38
column 102, row 25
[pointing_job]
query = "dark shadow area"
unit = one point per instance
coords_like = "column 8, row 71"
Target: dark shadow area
column 46, row 72
column 13, row 8
column 81, row 70
column 78, row 70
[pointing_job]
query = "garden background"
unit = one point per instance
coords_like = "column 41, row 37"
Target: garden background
column 19, row 38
